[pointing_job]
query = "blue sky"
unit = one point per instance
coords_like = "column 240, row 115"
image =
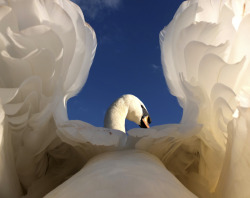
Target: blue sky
column 127, row 60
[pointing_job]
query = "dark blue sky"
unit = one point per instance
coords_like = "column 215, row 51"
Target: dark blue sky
column 128, row 59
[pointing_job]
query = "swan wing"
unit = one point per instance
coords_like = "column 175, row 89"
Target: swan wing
column 46, row 50
column 9, row 182
column 205, row 59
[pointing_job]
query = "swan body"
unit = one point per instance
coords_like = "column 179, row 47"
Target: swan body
column 129, row 173
column 46, row 53
column 132, row 173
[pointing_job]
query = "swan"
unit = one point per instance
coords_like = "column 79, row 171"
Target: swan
column 125, row 173
column 46, row 54
column 143, row 174
column 126, row 107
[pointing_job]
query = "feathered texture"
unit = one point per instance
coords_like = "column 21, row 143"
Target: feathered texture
column 46, row 53
column 205, row 57
column 130, row 173
column 9, row 184
column 234, row 180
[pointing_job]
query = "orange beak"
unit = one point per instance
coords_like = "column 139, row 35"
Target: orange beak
column 145, row 121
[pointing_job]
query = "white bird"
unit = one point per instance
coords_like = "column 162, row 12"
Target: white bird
column 128, row 173
column 127, row 107
column 46, row 53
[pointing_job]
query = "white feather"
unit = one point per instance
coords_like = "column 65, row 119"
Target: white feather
column 46, row 54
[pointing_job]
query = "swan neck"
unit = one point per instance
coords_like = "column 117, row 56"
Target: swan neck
column 116, row 115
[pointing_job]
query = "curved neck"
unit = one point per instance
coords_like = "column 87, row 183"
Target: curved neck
column 116, row 115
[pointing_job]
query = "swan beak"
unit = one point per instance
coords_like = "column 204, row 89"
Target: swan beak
column 145, row 122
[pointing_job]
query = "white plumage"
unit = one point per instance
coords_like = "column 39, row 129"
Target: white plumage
column 46, row 53
column 129, row 173
column 126, row 172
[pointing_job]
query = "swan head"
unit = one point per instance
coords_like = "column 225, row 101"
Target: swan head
column 127, row 107
column 137, row 111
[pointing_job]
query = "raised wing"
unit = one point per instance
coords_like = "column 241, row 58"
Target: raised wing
column 46, row 52
column 205, row 56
